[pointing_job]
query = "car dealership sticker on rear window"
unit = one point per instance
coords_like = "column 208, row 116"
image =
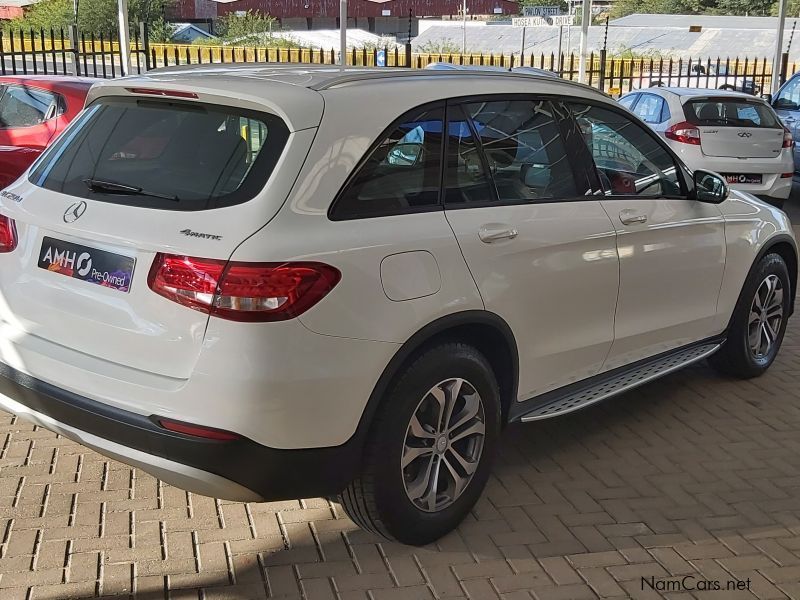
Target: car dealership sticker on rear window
column 87, row 264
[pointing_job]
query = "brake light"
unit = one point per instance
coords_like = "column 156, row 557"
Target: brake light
column 8, row 234
column 208, row 433
column 157, row 92
column 684, row 132
column 241, row 291
column 788, row 139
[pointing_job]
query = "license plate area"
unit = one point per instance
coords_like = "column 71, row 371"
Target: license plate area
column 742, row 178
column 87, row 264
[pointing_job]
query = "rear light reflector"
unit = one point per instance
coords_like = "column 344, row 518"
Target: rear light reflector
column 157, row 92
column 208, row 433
column 788, row 139
column 241, row 291
column 786, row 175
column 684, row 132
column 8, row 234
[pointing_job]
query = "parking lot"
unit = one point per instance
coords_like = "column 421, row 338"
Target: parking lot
column 692, row 475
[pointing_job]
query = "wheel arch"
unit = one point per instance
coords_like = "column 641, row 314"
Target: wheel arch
column 784, row 246
column 485, row 330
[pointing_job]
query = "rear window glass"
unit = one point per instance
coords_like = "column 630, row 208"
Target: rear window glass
column 165, row 155
column 730, row 112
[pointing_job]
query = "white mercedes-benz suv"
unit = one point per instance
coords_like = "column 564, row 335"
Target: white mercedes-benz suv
column 264, row 283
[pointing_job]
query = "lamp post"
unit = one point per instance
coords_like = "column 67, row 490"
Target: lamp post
column 343, row 33
column 124, row 36
column 777, row 59
column 464, row 26
column 585, row 18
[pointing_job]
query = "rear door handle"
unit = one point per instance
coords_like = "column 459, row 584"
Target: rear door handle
column 494, row 233
column 629, row 217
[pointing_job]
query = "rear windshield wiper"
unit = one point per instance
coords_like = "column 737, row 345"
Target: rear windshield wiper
column 112, row 187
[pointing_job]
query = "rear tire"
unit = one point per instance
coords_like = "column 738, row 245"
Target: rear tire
column 759, row 321
column 430, row 448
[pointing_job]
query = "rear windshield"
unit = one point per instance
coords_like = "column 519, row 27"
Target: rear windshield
column 731, row 112
column 165, row 155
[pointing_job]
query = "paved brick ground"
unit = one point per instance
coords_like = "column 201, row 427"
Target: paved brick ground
column 693, row 475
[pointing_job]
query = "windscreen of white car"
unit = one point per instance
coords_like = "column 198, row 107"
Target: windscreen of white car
column 735, row 127
column 164, row 154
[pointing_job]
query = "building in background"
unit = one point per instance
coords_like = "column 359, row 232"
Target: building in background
column 377, row 16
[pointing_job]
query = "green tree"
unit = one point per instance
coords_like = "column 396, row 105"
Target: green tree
column 94, row 16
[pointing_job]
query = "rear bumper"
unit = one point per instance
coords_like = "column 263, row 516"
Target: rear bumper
column 234, row 470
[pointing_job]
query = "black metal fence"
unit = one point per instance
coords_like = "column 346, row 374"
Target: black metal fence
column 99, row 55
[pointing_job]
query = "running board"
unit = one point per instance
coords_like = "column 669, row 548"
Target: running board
column 620, row 382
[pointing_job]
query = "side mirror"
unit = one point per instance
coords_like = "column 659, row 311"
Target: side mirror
column 767, row 98
column 785, row 104
column 710, row 187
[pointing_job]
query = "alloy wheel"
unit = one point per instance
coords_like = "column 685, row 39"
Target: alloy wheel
column 443, row 444
column 766, row 316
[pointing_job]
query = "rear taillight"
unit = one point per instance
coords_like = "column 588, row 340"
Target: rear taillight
column 242, row 291
column 788, row 139
column 684, row 132
column 8, row 234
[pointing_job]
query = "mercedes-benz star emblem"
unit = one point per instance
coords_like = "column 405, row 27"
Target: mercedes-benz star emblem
column 74, row 212
column 744, row 134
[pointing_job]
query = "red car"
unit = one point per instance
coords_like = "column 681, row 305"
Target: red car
column 33, row 110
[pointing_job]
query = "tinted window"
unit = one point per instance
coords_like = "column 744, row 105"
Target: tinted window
column 402, row 174
column 650, row 108
column 629, row 159
column 465, row 179
column 524, row 151
column 789, row 97
column 159, row 154
column 730, row 112
column 628, row 100
column 21, row 106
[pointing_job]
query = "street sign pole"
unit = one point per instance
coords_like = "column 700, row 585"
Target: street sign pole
column 124, row 37
column 560, row 37
column 776, row 60
column 585, row 17
column 522, row 49
column 343, row 33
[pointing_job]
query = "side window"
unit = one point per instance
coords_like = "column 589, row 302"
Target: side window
column 789, row 96
column 628, row 158
column 524, row 150
column 401, row 175
column 649, row 108
column 22, row 106
column 665, row 114
column 629, row 100
column 466, row 181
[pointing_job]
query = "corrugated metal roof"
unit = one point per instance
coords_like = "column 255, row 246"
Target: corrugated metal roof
column 670, row 42
column 714, row 21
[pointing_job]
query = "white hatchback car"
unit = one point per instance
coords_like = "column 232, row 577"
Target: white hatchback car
column 727, row 132
column 264, row 283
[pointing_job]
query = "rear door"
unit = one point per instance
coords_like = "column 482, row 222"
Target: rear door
column 653, row 110
column 540, row 247
column 132, row 177
column 735, row 127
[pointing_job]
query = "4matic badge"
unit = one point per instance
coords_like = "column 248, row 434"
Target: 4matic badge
column 197, row 234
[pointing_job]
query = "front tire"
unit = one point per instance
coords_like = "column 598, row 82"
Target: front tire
column 759, row 321
column 430, row 447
